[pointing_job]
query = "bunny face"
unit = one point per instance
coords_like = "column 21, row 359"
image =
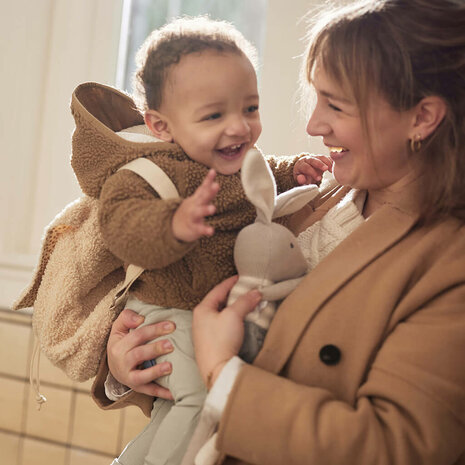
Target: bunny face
column 268, row 253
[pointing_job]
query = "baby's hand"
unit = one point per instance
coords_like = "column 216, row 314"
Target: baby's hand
column 189, row 219
column 310, row 169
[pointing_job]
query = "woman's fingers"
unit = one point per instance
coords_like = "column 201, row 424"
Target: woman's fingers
column 140, row 377
column 127, row 348
column 218, row 331
column 245, row 303
column 216, row 298
column 148, row 333
column 126, row 340
column 155, row 390
column 126, row 320
column 141, row 353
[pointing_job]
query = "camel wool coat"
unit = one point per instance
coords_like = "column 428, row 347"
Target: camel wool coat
column 364, row 362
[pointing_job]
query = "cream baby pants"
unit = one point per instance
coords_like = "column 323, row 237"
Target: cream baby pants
column 165, row 439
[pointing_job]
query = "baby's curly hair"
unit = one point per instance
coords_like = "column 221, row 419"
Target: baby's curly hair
column 165, row 47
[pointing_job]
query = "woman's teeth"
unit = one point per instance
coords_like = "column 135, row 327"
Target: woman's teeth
column 337, row 149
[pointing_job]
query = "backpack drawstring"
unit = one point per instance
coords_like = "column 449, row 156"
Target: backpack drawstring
column 35, row 380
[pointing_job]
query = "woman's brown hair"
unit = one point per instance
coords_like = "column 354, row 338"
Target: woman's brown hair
column 405, row 50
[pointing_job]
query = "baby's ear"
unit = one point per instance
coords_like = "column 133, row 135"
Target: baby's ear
column 158, row 125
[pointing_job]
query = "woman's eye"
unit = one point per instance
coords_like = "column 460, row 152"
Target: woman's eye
column 252, row 108
column 333, row 107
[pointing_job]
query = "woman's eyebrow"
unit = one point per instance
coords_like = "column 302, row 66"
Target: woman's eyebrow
column 326, row 94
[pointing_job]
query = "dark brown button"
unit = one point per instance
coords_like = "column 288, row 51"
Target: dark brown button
column 330, row 354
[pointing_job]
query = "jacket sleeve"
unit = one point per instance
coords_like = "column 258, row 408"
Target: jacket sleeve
column 409, row 410
column 143, row 401
column 136, row 223
column 282, row 168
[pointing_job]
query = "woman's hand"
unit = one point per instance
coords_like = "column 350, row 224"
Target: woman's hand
column 218, row 331
column 126, row 350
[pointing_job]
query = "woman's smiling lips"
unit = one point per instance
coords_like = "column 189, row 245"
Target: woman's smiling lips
column 337, row 152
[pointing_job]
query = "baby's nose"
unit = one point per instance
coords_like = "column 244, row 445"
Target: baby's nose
column 238, row 127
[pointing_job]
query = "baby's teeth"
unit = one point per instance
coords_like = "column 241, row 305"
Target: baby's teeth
column 232, row 148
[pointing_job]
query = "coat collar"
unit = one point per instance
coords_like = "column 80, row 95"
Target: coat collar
column 383, row 229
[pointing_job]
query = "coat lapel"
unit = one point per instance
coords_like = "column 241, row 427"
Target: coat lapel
column 383, row 229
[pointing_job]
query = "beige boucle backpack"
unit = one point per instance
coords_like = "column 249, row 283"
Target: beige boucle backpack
column 79, row 287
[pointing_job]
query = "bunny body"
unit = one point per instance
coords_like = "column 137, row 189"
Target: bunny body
column 266, row 254
column 267, row 258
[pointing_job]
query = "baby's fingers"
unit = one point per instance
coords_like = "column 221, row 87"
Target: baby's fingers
column 320, row 163
column 308, row 173
column 327, row 161
column 207, row 191
column 203, row 229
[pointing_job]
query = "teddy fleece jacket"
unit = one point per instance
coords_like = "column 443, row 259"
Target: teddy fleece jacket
column 134, row 221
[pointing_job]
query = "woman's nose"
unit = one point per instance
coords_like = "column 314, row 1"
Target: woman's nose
column 317, row 126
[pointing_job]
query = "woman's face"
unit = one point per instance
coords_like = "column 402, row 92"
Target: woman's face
column 336, row 118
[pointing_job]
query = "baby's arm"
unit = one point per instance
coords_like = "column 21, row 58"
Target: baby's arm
column 189, row 219
column 137, row 226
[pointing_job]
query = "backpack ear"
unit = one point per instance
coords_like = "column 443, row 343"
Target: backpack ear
column 290, row 201
column 259, row 184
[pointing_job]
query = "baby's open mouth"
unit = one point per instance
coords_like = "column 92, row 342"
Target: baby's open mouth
column 231, row 150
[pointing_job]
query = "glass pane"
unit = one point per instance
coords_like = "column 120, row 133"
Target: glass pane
column 140, row 17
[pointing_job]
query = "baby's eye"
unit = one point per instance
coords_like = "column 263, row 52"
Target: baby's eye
column 333, row 107
column 252, row 108
column 213, row 116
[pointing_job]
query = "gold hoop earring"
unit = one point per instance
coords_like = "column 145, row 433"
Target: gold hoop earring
column 415, row 143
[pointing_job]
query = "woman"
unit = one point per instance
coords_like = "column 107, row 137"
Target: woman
column 363, row 362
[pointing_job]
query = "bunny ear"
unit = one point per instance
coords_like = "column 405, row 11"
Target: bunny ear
column 259, row 184
column 294, row 199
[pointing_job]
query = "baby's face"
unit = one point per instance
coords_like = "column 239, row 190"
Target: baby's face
column 210, row 102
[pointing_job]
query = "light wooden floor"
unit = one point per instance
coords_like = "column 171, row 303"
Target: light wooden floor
column 69, row 429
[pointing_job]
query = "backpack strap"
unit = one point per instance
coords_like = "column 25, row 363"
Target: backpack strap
column 154, row 175
column 162, row 184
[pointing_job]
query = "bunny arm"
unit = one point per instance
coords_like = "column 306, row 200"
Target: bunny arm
column 279, row 291
column 243, row 285
column 264, row 312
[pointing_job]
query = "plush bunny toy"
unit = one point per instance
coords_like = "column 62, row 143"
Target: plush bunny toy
column 267, row 257
column 266, row 254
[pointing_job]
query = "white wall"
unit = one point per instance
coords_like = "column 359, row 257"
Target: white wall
column 283, row 123
column 53, row 45
column 47, row 48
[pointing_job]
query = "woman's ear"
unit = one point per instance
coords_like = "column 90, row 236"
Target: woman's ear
column 158, row 125
column 429, row 113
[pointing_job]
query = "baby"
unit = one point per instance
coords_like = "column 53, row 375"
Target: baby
column 197, row 89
